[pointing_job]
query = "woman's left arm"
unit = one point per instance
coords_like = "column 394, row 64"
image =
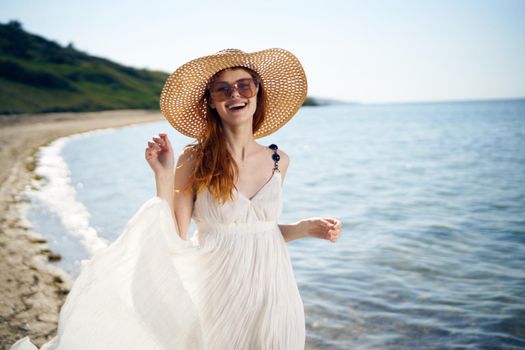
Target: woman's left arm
column 325, row 228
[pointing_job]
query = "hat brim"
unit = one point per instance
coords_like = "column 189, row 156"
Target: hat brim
column 282, row 76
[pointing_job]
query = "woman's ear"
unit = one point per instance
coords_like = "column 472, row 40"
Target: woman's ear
column 212, row 104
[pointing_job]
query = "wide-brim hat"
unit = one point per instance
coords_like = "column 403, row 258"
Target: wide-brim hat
column 281, row 73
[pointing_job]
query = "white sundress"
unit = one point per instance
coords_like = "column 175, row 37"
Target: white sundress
column 231, row 286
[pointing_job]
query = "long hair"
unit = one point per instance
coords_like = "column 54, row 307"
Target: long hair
column 215, row 169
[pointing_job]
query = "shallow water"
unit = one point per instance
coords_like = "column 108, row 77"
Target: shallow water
column 432, row 197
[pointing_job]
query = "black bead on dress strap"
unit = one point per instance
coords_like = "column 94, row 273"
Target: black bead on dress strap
column 275, row 156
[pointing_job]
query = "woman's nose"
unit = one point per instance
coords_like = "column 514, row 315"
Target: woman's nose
column 234, row 92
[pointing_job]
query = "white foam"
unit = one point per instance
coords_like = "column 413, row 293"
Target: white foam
column 60, row 196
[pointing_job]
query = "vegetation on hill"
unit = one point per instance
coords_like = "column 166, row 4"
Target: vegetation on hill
column 38, row 75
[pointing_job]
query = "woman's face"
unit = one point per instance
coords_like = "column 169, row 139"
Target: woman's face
column 228, row 109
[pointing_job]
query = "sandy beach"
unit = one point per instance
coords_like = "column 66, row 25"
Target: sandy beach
column 32, row 289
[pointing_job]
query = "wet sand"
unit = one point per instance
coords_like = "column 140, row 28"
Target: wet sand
column 32, row 290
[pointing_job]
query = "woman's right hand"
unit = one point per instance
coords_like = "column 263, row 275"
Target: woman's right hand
column 159, row 155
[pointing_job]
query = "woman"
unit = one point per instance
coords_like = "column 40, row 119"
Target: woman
column 231, row 286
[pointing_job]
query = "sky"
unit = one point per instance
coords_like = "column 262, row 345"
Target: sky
column 358, row 51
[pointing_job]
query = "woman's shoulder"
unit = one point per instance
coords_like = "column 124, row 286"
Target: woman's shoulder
column 283, row 159
column 186, row 158
column 278, row 148
column 190, row 151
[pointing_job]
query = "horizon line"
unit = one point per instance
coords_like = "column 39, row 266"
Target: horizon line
column 467, row 100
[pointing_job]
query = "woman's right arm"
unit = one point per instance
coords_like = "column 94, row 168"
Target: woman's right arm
column 159, row 155
column 183, row 200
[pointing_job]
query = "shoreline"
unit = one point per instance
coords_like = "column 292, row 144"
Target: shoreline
column 33, row 289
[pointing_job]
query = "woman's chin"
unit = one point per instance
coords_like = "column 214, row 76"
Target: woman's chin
column 236, row 120
column 235, row 123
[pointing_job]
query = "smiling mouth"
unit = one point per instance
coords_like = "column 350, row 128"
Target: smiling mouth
column 237, row 106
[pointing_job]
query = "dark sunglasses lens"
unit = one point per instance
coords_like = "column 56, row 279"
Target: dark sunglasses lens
column 246, row 87
column 222, row 91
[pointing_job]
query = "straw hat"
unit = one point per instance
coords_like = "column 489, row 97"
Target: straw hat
column 282, row 75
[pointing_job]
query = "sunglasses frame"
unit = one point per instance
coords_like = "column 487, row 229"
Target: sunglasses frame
column 231, row 87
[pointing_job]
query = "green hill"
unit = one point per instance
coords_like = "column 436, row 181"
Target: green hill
column 38, row 75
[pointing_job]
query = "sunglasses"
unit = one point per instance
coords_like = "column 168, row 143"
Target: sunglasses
column 221, row 91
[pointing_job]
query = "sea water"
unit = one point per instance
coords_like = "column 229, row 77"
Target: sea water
column 431, row 196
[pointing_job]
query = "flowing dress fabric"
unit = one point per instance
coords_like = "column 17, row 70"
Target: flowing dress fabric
column 231, row 286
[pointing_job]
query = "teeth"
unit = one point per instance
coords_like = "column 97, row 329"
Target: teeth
column 237, row 105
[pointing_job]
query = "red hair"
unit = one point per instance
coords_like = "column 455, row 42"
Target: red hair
column 215, row 169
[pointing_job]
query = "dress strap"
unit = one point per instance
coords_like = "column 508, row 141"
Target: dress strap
column 275, row 157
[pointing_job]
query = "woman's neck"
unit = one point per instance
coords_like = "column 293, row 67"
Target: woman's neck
column 240, row 144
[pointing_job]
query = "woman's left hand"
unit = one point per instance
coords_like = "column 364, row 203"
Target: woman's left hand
column 325, row 228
